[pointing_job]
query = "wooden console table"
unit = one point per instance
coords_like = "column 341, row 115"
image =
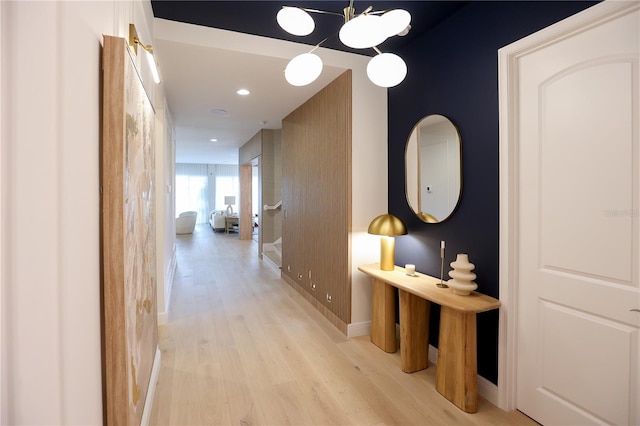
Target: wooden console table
column 457, row 370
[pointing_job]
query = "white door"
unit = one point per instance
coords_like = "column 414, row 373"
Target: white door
column 578, row 189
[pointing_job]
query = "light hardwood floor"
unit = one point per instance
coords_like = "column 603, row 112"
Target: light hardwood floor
column 242, row 347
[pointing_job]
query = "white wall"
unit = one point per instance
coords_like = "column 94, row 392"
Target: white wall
column 165, row 208
column 3, row 394
column 369, row 137
column 49, row 199
column 369, row 185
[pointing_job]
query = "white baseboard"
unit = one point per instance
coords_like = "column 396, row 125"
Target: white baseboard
column 163, row 316
column 359, row 329
column 153, row 381
column 486, row 389
column 271, row 263
column 171, row 273
column 433, row 354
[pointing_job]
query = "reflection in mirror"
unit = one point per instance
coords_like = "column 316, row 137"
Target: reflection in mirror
column 433, row 168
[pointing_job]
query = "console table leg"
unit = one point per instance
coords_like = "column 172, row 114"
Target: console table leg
column 383, row 321
column 414, row 332
column 457, row 370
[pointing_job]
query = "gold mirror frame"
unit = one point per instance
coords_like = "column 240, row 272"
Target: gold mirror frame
column 433, row 168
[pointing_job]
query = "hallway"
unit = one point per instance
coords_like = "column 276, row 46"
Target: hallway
column 242, row 347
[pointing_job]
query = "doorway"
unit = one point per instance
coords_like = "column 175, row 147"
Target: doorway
column 570, row 233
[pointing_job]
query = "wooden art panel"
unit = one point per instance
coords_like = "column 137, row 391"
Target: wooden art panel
column 128, row 236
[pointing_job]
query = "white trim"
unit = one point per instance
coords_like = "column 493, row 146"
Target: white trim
column 508, row 62
column 507, row 275
column 151, row 390
column 270, row 262
column 3, row 408
column 433, row 354
column 163, row 317
column 359, row 329
column 171, row 271
column 486, row 389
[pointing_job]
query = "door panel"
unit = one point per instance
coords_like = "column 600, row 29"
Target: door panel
column 595, row 163
column 579, row 192
column 576, row 344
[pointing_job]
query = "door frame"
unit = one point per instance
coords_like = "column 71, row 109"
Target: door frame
column 508, row 79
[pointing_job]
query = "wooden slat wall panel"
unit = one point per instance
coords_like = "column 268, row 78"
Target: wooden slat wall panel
column 128, row 237
column 294, row 166
column 318, row 137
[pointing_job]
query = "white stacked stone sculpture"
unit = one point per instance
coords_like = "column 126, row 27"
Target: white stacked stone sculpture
column 461, row 281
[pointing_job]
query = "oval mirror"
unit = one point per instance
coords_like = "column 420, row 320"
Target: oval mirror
column 433, row 169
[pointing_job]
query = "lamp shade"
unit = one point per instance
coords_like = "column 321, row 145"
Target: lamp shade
column 387, row 224
column 386, row 70
column 303, row 69
column 295, row 21
column 428, row 218
column 395, row 21
column 229, row 199
column 362, row 32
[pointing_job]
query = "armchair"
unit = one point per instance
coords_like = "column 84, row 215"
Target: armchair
column 186, row 222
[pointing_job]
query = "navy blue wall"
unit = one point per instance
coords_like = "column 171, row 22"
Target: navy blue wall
column 453, row 71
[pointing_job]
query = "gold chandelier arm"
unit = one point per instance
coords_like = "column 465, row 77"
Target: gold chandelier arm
column 317, row 11
column 318, row 45
column 148, row 48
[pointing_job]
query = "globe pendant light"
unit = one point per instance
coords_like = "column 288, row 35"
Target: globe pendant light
column 366, row 30
column 303, row 69
column 395, row 22
column 295, row 21
column 362, row 32
column 386, row 70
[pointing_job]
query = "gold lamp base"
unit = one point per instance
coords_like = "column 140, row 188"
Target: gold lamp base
column 387, row 225
column 387, row 253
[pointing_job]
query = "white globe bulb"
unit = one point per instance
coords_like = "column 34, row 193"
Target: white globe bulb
column 395, row 21
column 362, row 32
column 295, row 21
column 386, row 70
column 303, row 69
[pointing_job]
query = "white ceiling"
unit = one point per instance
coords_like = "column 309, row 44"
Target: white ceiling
column 201, row 69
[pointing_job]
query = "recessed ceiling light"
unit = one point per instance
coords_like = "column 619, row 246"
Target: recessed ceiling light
column 213, row 140
column 218, row 111
column 243, row 92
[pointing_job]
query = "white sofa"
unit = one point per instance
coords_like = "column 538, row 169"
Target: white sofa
column 186, row 222
column 217, row 220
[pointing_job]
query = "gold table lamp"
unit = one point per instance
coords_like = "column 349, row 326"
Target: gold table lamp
column 388, row 226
